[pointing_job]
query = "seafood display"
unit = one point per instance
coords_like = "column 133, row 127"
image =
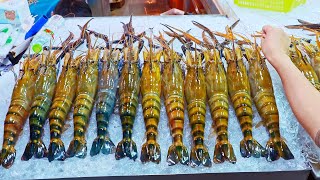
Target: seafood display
column 108, row 78
column 173, row 93
column 85, row 97
column 195, row 94
column 129, row 89
column 264, row 99
column 217, row 93
column 150, row 85
column 44, row 91
column 106, row 99
column 239, row 91
column 21, row 100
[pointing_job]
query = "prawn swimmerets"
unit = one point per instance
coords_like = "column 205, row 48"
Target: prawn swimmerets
column 106, row 99
column 19, row 108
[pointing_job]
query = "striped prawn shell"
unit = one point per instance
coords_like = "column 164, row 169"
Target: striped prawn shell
column 195, row 93
column 129, row 91
column 267, row 107
column 217, row 92
column 150, row 91
column 263, row 96
column 63, row 98
column 243, row 107
column 173, row 91
column 45, row 89
column 239, row 91
column 264, row 99
column 86, row 92
column 21, row 100
column 106, row 100
column 107, row 89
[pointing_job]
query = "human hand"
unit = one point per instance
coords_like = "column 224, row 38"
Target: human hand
column 173, row 11
column 275, row 43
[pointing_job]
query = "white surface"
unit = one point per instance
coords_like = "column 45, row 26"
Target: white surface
column 102, row 165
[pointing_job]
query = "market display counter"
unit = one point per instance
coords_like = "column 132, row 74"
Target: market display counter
column 103, row 166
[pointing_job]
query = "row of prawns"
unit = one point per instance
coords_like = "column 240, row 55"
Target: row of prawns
column 215, row 84
column 88, row 81
column 39, row 96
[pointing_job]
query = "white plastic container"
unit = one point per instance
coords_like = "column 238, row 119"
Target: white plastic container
column 47, row 33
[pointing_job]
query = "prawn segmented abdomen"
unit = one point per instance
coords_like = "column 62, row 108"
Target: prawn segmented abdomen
column 151, row 113
column 267, row 108
column 243, row 108
column 266, row 105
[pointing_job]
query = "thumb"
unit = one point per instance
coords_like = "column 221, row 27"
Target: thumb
column 263, row 41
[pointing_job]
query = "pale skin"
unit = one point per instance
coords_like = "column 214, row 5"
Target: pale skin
column 303, row 98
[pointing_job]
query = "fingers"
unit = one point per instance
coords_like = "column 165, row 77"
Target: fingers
column 267, row 29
